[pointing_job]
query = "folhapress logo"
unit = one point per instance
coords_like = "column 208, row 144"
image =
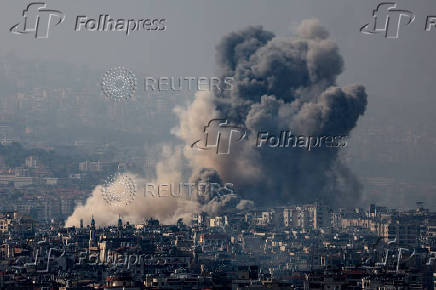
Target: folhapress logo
column 37, row 19
column 388, row 19
column 220, row 135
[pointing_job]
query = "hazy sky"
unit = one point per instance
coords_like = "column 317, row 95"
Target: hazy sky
column 399, row 74
column 398, row 70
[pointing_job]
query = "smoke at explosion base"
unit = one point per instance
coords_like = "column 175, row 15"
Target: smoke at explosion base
column 278, row 82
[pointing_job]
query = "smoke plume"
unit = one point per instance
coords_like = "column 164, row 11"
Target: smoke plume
column 279, row 83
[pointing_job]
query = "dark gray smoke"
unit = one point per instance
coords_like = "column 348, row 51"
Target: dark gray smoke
column 216, row 197
column 283, row 83
column 279, row 83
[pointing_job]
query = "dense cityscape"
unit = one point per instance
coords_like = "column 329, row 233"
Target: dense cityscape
column 292, row 247
column 217, row 145
column 46, row 173
column 305, row 246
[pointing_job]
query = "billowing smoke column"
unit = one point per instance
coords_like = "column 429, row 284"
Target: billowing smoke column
column 279, row 83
